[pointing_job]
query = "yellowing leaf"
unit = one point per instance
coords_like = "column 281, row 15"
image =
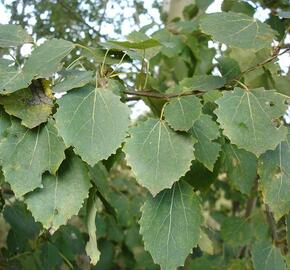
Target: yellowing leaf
column 32, row 107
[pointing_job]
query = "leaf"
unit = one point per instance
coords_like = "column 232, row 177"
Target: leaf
column 73, row 79
column 266, row 256
column 247, row 118
column 236, row 232
column 28, row 106
column 237, row 30
column 13, row 35
column 198, row 82
column 144, row 44
column 182, row 112
column 12, row 79
column 45, row 59
column 274, row 172
column 240, row 166
column 170, row 225
column 5, row 121
column 25, row 154
column 61, row 196
column 158, row 156
column 94, row 121
column 92, row 247
column 205, row 130
column 229, row 68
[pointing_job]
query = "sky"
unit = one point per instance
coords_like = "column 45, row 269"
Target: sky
column 140, row 107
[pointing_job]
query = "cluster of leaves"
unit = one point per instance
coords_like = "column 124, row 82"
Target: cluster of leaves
column 211, row 161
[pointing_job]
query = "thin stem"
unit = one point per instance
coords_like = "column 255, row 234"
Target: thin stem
column 118, row 65
column 104, row 61
column 86, row 48
column 75, row 61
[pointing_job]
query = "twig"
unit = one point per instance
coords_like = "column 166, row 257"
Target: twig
column 160, row 95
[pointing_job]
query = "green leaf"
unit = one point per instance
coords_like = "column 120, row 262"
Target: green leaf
column 46, row 59
column 29, row 107
column 170, row 225
column 205, row 130
column 13, row 35
column 13, row 79
column 25, row 154
column 158, row 156
column 182, row 112
column 5, row 121
column 237, row 30
column 229, row 68
column 266, row 256
column 21, row 221
column 145, row 44
column 198, row 82
column 274, row 171
column 61, row 196
column 247, row 118
column 92, row 247
column 240, row 166
column 73, row 79
column 236, row 232
column 94, row 121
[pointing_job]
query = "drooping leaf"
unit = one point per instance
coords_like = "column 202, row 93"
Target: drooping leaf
column 274, row 171
column 170, row 225
column 205, row 130
column 13, row 79
column 158, row 156
column 266, row 256
column 247, row 118
column 61, row 196
column 198, row 82
column 182, row 112
column 46, row 59
column 236, row 231
column 13, row 35
column 28, row 106
column 25, row 154
column 240, row 166
column 92, row 247
column 94, row 121
column 237, row 30
column 73, row 79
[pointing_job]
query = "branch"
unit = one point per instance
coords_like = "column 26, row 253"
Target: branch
column 161, row 95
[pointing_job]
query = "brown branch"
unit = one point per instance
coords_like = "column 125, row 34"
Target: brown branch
column 151, row 94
